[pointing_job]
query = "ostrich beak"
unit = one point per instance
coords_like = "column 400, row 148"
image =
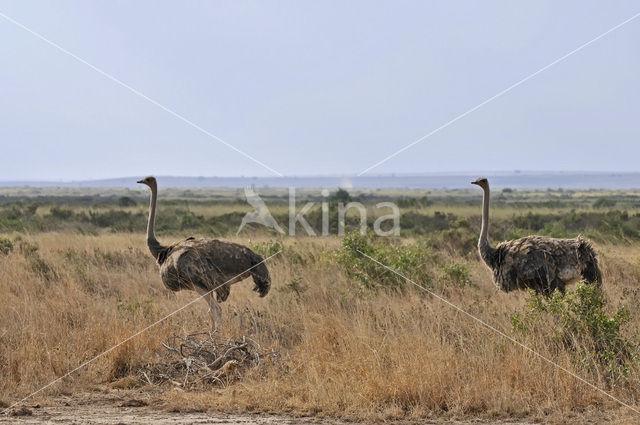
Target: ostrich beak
column 471, row 183
column 139, row 181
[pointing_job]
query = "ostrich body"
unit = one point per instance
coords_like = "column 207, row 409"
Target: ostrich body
column 537, row 262
column 204, row 265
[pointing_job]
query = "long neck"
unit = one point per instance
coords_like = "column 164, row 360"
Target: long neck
column 152, row 242
column 483, row 243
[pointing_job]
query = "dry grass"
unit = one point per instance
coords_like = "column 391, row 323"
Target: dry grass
column 382, row 356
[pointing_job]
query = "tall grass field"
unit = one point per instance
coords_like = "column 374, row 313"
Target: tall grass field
column 339, row 335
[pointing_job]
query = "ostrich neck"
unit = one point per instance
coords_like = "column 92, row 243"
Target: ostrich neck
column 483, row 243
column 152, row 242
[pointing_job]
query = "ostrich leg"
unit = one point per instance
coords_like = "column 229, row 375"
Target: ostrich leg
column 215, row 311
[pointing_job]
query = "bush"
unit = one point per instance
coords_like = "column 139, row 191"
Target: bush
column 41, row 267
column 578, row 323
column 26, row 248
column 341, row 195
column 189, row 220
column 460, row 241
column 272, row 247
column 427, row 224
column 457, row 274
column 410, row 261
column 125, row 201
column 118, row 220
column 421, row 202
column 6, row 246
column 615, row 224
column 61, row 213
column 268, row 248
column 604, row 203
column 35, row 263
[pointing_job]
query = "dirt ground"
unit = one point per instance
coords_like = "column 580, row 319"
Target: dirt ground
column 115, row 415
column 132, row 408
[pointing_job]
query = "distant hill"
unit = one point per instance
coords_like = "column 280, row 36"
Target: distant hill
column 524, row 180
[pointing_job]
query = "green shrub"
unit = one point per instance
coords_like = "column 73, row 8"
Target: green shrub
column 421, row 202
column 609, row 225
column 6, row 246
column 125, row 201
column 579, row 324
column 268, row 248
column 122, row 221
column 35, row 263
column 90, row 214
column 61, row 213
column 457, row 274
column 41, row 267
column 341, row 195
column 272, row 247
column 26, row 248
column 460, row 241
column 408, row 260
column 422, row 224
column 189, row 220
column 604, row 203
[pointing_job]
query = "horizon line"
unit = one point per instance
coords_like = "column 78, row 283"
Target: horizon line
column 351, row 176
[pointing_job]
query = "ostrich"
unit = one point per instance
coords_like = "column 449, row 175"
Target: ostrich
column 537, row 262
column 204, row 265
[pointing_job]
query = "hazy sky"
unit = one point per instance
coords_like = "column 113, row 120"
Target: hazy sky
column 316, row 87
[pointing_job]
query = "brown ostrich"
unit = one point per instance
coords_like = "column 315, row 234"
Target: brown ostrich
column 204, row 265
column 537, row 262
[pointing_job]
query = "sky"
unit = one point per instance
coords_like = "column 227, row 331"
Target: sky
column 315, row 87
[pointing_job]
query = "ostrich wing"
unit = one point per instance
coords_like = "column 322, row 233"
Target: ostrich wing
column 535, row 260
column 206, row 264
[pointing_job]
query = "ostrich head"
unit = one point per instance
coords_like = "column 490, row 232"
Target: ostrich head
column 482, row 182
column 149, row 181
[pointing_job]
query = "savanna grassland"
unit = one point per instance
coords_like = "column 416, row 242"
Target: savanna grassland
column 338, row 335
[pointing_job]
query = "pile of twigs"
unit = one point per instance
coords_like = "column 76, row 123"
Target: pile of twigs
column 204, row 359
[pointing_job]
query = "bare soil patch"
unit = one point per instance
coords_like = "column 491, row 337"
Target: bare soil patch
column 119, row 407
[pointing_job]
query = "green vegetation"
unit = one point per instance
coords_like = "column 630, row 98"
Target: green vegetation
column 578, row 323
column 604, row 203
column 35, row 263
column 450, row 217
column 6, row 245
column 418, row 260
column 408, row 260
column 457, row 274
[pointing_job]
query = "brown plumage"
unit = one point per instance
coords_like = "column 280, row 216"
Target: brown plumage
column 537, row 262
column 204, row 265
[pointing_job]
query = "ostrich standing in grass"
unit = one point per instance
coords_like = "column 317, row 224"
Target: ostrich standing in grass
column 541, row 263
column 204, row 265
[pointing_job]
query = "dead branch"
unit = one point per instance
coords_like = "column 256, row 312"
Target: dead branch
column 204, row 359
